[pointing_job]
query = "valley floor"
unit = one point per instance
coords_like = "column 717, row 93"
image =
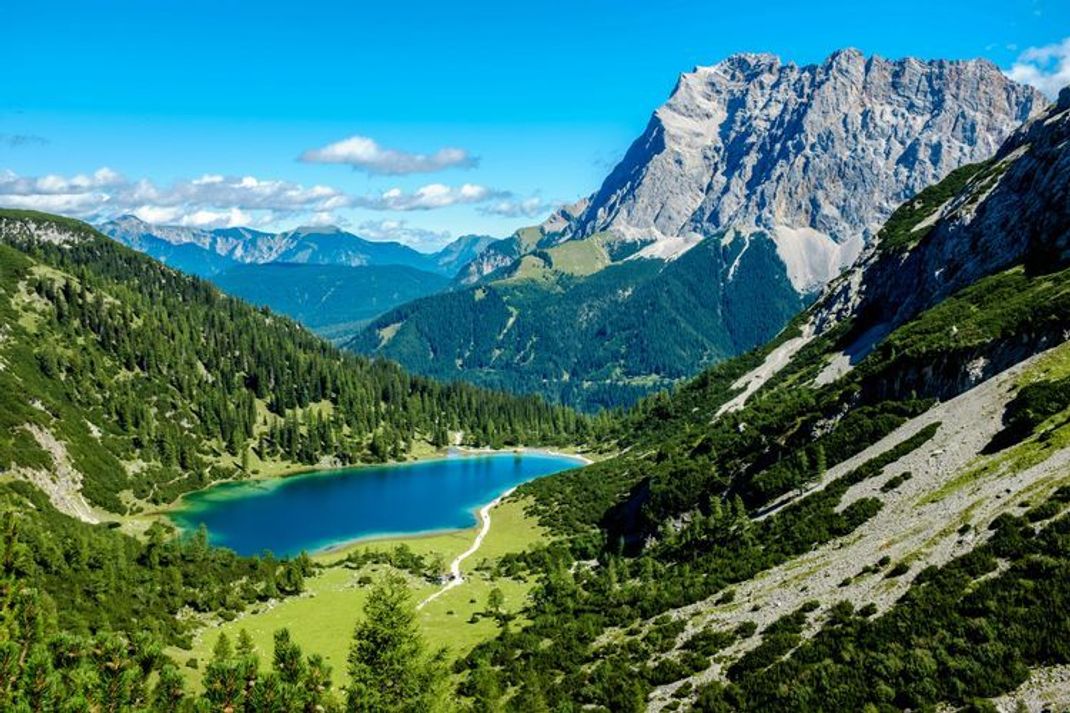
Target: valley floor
column 322, row 618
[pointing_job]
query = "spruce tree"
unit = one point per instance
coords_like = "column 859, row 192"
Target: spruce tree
column 390, row 670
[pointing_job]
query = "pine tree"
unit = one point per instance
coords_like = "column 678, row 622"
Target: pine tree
column 389, row 668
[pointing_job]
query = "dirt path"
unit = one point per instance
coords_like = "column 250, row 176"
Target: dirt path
column 455, row 577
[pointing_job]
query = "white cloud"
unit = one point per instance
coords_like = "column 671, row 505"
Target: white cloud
column 325, row 218
column 210, row 200
column 364, row 154
column 157, row 215
column 532, row 207
column 214, row 218
column 214, row 200
column 1047, row 68
column 400, row 231
column 429, row 197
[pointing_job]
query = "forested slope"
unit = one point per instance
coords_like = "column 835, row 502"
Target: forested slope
column 123, row 384
column 881, row 525
column 555, row 325
column 137, row 383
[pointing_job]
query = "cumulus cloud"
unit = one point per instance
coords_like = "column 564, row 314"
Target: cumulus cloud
column 532, row 207
column 1047, row 68
column 211, row 200
column 214, row 200
column 400, row 231
column 365, row 154
column 429, row 197
column 15, row 141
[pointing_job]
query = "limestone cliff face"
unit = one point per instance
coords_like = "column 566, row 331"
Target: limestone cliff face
column 816, row 157
column 1015, row 209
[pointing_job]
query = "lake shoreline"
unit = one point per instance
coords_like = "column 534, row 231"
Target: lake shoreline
column 167, row 509
column 183, row 513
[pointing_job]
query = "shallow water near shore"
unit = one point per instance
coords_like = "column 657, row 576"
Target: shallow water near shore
column 316, row 510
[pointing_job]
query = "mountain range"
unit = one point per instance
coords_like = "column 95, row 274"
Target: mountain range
column 870, row 511
column 332, row 281
column 207, row 252
column 751, row 188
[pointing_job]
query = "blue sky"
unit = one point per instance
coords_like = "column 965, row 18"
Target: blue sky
column 533, row 102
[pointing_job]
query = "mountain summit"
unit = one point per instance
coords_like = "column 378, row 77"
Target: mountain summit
column 816, row 157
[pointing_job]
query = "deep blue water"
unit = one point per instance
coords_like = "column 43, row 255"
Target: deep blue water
column 316, row 510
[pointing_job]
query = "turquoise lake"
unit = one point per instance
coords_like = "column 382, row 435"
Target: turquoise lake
column 316, row 510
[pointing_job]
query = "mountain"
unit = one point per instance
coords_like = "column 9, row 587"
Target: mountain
column 332, row 300
column 334, row 246
column 502, row 253
column 460, row 252
column 330, row 280
column 199, row 252
column 751, row 188
column 208, row 252
column 870, row 512
column 816, row 156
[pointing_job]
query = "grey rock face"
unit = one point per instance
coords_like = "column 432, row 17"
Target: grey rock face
column 1015, row 210
column 816, row 156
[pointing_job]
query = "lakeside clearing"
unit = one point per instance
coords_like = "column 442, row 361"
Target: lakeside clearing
column 322, row 618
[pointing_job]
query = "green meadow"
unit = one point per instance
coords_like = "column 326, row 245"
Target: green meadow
column 321, row 619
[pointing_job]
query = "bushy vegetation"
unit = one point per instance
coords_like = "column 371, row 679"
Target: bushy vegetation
column 101, row 580
column 672, row 521
column 49, row 666
column 1032, row 405
column 962, row 632
column 901, row 231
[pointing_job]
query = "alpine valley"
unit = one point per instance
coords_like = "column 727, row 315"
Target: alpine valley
column 855, row 496
column 751, row 188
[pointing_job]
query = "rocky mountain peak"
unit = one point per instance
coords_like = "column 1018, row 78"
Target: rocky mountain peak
column 814, row 157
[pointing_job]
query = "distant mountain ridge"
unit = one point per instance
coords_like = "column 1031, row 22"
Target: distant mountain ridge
column 206, row 252
column 330, row 280
column 783, row 174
